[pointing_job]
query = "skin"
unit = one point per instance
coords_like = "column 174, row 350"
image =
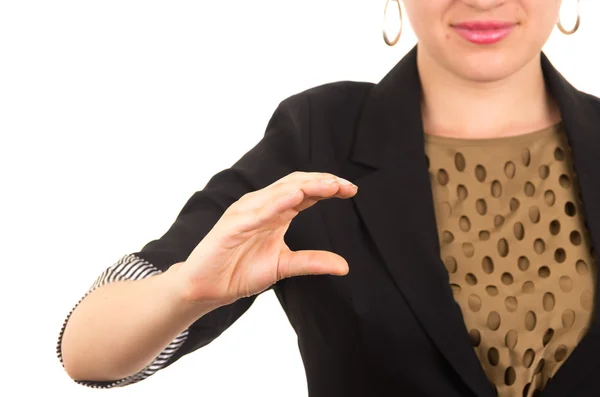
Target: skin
column 493, row 80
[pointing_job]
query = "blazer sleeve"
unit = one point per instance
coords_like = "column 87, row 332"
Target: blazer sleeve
column 283, row 149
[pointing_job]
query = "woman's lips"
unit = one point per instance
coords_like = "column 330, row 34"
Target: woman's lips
column 484, row 32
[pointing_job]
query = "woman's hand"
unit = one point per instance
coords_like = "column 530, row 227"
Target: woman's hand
column 244, row 253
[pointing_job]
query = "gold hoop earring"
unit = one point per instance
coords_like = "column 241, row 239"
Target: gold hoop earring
column 387, row 40
column 575, row 28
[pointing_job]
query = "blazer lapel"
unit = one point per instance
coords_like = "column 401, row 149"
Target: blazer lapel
column 396, row 205
column 582, row 122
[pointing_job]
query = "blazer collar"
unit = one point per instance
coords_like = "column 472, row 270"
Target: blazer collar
column 401, row 218
column 391, row 118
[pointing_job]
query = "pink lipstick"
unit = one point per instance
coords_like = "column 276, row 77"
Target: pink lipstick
column 484, row 32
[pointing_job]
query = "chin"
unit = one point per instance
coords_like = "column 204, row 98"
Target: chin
column 480, row 74
column 485, row 67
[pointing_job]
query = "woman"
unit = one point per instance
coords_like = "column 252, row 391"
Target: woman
column 458, row 261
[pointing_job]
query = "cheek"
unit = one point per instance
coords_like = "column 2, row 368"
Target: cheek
column 546, row 12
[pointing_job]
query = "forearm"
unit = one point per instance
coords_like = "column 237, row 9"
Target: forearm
column 119, row 328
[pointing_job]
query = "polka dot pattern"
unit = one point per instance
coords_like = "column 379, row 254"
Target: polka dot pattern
column 517, row 251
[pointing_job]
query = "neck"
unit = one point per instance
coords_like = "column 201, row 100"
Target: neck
column 454, row 107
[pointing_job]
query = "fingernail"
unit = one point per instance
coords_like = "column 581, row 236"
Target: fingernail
column 344, row 181
column 329, row 181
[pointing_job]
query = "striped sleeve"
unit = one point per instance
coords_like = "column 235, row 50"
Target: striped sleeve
column 128, row 267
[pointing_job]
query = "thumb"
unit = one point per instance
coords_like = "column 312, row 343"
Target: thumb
column 301, row 263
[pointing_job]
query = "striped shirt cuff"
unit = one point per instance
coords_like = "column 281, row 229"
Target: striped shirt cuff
column 129, row 267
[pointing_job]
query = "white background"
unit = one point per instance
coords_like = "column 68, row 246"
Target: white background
column 112, row 113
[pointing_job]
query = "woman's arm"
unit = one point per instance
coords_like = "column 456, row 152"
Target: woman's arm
column 133, row 311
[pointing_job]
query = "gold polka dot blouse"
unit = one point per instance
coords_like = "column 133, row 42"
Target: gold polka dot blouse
column 516, row 249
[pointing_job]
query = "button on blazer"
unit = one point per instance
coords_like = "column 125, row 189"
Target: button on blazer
column 390, row 327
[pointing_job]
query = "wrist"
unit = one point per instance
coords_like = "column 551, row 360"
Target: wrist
column 181, row 300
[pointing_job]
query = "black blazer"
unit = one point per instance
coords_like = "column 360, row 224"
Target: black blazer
column 390, row 327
